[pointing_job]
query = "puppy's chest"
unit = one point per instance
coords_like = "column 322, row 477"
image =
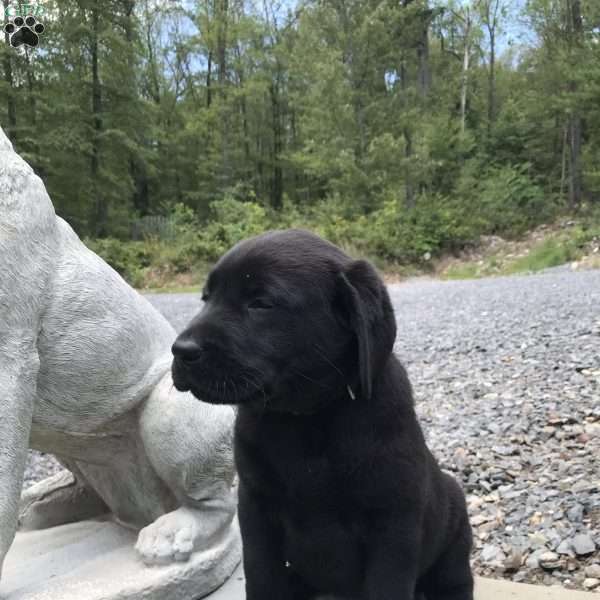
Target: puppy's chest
column 303, row 475
column 304, row 471
column 321, row 530
column 308, row 473
column 298, row 464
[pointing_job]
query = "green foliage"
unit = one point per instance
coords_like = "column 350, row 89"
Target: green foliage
column 194, row 244
column 231, row 222
column 502, row 199
column 434, row 225
column 199, row 242
column 234, row 119
column 129, row 259
column 550, row 253
column 390, row 235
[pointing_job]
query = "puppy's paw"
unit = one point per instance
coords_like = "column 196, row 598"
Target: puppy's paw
column 171, row 538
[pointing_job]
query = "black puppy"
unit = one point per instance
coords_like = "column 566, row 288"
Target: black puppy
column 338, row 491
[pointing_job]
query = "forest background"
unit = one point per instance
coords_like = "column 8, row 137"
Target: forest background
column 404, row 130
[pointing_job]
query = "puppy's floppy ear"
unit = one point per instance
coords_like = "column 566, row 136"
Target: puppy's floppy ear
column 369, row 313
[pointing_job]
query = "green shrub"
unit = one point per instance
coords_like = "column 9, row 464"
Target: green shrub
column 129, row 259
column 502, row 200
column 511, row 201
column 434, row 225
column 550, row 253
column 232, row 220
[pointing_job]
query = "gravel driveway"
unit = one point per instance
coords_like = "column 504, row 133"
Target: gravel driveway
column 506, row 373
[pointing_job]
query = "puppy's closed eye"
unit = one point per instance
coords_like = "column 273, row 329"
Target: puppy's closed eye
column 260, row 304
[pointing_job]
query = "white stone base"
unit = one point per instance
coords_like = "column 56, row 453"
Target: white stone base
column 96, row 560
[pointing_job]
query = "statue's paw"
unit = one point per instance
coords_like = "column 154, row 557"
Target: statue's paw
column 171, row 538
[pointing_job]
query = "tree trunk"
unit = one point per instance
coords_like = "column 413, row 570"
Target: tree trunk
column 422, row 48
column 277, row 183
column 137, row 168
column 563, row 170
column 424, row 70
column 260, row 162
column 245, row 129
column 464, row 88
column 209, row 80
column 577, row 19
column 31, row 89
column 490, row 15
column 222, row 18
column 409, row 189
column 575, row 180
column 299, row 183
column 154, row 83
column 32, row 139
column 100, row 214
column 11, row 129
column 492, row 82
column 575, row 121
column 141, row 194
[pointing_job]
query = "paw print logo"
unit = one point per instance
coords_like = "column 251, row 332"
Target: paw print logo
column 24, row 31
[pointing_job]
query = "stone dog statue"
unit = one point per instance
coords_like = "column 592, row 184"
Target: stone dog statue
column 85, row 375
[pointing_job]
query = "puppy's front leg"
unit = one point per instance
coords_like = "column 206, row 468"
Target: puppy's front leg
column 267, row 575
column 392, row 560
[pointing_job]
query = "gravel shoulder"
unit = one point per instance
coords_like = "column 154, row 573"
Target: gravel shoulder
column 506, row 373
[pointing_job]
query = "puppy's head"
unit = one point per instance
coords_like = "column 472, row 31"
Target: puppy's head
column 290, row 323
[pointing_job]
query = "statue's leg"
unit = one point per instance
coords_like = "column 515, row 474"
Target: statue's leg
column 121, row 474
column 27, row 260
column 19, row 366
column 189, row 444
column 65, row 497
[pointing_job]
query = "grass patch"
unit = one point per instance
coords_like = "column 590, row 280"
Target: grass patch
column 464, row 271
column 172, row 289
column 550, row 253
column 574, row 243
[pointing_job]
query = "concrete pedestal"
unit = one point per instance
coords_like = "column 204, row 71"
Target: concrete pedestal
column 95, row 560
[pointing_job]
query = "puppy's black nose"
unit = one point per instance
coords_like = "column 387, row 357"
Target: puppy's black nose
column 186, row 349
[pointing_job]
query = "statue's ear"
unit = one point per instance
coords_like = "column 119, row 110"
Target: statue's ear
column 369, row 314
